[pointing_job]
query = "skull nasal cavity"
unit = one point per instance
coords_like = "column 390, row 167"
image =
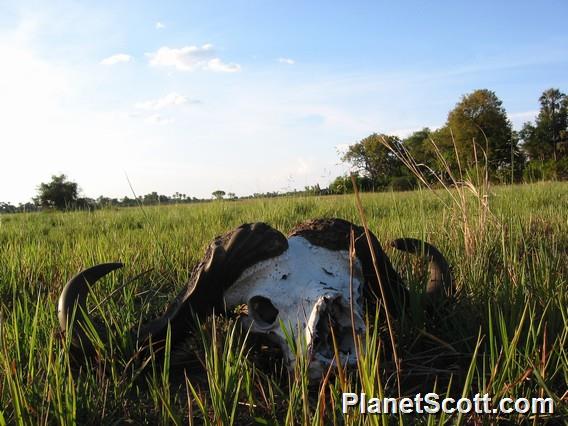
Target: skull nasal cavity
column 262, row 310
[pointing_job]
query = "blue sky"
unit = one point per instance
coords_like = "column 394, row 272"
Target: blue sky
column 249, row 96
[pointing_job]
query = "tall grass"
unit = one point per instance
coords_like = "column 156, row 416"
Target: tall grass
column 506, row 334
column 468, row 190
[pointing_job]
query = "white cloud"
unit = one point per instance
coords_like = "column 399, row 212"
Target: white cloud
column 217, row 65
column 171, row 99
column 190, row 58
column 160, row 26
column 115, row 59
column 286, row 61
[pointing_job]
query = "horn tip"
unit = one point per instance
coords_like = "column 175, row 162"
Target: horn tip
column 76, row 289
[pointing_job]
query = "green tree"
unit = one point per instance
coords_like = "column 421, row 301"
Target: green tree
column 344, row 184
column 59, row 193
column 373, row 159
column 547, row 138
column 531, row 142
column 546, row 141
column 418, row 146
column 478, row 125
column 151, row 198
column 218, row 194
column 553, row 119
column 7, row 208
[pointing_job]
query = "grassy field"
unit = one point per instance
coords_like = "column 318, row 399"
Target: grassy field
column 506, row 334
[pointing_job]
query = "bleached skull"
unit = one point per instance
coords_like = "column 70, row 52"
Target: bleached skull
column 306, row 286
column 303, row 292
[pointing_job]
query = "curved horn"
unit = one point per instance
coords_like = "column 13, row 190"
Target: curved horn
column 226, row 257
column 441, row 282
column 74, row 294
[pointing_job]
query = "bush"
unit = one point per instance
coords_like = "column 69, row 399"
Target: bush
column 562, row 169
column 546, row 170
column 403, row 183
column 343, row 184
column 60, row 193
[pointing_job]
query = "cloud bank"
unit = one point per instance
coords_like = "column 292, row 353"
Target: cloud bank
column 191, row 58
column 116, row 59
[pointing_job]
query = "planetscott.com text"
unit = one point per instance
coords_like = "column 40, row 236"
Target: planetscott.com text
column 432, row 403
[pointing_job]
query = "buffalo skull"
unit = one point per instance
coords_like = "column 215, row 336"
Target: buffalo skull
column 308, row 285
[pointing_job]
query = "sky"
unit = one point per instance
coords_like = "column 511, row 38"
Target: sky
column 249, row 96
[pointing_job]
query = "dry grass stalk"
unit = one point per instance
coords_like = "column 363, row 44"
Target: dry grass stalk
column 460, row 187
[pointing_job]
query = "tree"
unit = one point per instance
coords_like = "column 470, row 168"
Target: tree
column 344, row 184
column 373, row 159
column 60, row 193
column 418, row 146
column 7, row 208
column 545, row 139
column 478, row 125
column 218, row 194
column 151, row 198
column 553, row 118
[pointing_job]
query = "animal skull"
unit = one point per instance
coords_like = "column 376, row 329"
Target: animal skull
column 305, row 290
column 306, row 285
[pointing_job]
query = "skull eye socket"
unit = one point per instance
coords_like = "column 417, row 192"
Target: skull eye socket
column 262, row 311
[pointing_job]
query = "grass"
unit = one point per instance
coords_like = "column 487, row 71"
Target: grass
column 506, row 333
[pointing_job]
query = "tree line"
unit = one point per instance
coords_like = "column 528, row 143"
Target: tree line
column 60, row 193
column 477, row 131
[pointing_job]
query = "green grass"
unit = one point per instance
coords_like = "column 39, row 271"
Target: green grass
column 506, row 334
